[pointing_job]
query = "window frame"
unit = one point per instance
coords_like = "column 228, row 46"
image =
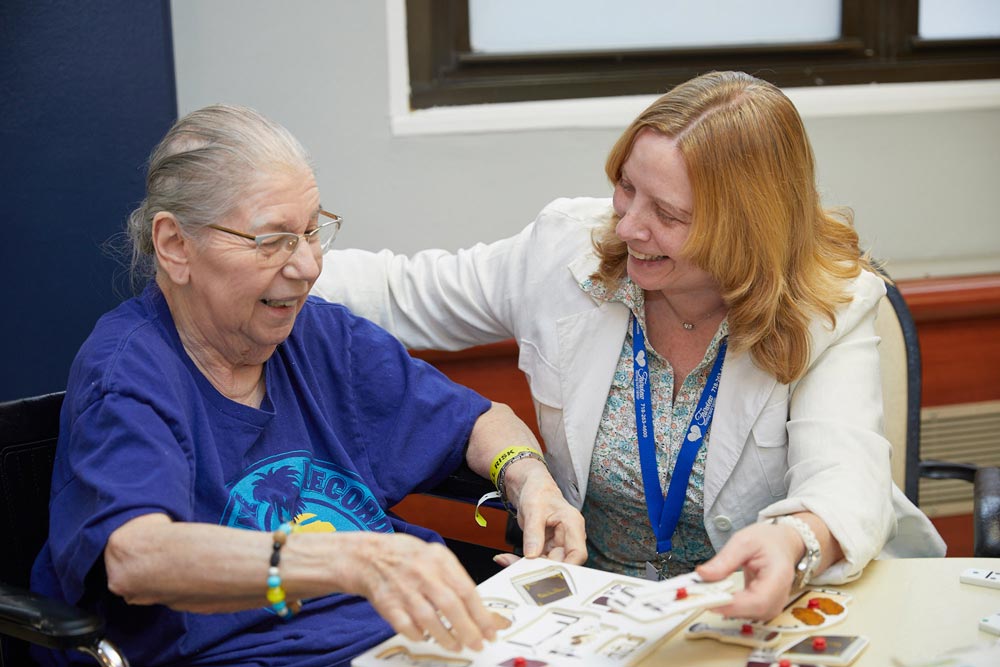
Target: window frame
column 879, row 43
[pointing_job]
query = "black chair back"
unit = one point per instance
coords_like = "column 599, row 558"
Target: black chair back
column 913, row 390
column 29, row 429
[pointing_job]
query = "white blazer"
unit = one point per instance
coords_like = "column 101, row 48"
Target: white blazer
column 813, row 445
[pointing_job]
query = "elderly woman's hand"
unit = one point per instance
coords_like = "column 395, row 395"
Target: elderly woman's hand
column 552, row 527
column 421, row 589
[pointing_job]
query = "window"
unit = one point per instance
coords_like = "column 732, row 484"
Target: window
column 519, row 26
column 876, row 41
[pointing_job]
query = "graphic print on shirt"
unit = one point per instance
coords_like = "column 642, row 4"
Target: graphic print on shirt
column 317, row 495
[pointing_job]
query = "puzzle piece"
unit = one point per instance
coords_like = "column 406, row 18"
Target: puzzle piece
column 545, row 586
column 837, row 650
column 815, row 609
column 501, row 607
column 401, row 655
column 682, row 594
column 521, row 661
column 731, row 631
column 770, row 657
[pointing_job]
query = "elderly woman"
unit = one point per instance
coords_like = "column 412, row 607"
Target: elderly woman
column 230, row 446
column 713, row 280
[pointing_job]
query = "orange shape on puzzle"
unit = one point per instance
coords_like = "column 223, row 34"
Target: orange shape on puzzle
column 808, row 616
column 828, row 606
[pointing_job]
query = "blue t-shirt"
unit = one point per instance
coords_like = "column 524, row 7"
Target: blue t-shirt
column 350, row 424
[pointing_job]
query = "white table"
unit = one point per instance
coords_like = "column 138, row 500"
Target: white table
column 908, row 608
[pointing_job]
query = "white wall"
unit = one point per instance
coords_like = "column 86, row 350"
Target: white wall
column 923, row 185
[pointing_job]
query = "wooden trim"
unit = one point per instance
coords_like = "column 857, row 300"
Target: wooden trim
column 933, row 299
column 956, row 531
column 455, row 519
column 961, row 360
column 958, row 324
column 505, row 349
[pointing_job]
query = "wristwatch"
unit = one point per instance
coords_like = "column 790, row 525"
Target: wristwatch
column 807, row 565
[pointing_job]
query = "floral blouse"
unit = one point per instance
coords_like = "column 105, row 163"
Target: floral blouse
column 619, row 535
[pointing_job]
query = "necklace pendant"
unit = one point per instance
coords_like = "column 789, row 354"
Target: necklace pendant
column 687, row 325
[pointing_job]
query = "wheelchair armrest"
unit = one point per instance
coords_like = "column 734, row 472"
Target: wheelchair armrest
column 985, row 504
column 47, row 622
column 986, row 512
column 947, row 470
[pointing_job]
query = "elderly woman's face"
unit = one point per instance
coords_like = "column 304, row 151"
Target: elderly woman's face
column 242, row 308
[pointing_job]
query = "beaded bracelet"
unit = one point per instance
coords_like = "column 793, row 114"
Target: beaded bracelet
column 275, row 593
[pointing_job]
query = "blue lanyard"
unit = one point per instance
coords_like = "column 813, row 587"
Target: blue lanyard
column 665, row 513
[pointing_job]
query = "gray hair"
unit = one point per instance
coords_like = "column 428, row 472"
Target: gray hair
column 203, row 168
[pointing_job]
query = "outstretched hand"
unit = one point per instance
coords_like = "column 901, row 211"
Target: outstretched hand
column 422, row 590
column 767, row 554
column 552, row 527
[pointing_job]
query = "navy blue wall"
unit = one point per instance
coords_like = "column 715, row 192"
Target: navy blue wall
column 86, row 91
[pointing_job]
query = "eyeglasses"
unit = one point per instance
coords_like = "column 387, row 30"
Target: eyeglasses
column 278, row 247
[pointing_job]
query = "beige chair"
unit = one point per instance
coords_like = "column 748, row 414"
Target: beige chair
column 900, row 399
column 899, row 355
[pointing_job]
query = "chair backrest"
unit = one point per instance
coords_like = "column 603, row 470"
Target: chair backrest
column 29, row 429
column 899, row 357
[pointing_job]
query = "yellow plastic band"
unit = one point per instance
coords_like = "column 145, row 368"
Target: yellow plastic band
column 480, row 519
column 505, row 457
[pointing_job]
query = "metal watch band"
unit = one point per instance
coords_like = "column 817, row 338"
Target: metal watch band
column 807, row 565
column 502, row 475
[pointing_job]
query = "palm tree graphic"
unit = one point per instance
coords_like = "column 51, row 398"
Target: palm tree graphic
column 279, row 488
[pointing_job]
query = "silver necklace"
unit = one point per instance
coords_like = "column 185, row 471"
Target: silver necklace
column 691, row 325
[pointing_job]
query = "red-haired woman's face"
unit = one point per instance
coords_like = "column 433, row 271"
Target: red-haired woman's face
column 653, row 200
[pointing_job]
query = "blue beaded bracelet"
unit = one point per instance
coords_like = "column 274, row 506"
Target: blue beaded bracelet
column 275, row 593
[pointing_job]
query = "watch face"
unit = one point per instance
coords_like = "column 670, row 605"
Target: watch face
column 805, row 567
column 800, row 575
